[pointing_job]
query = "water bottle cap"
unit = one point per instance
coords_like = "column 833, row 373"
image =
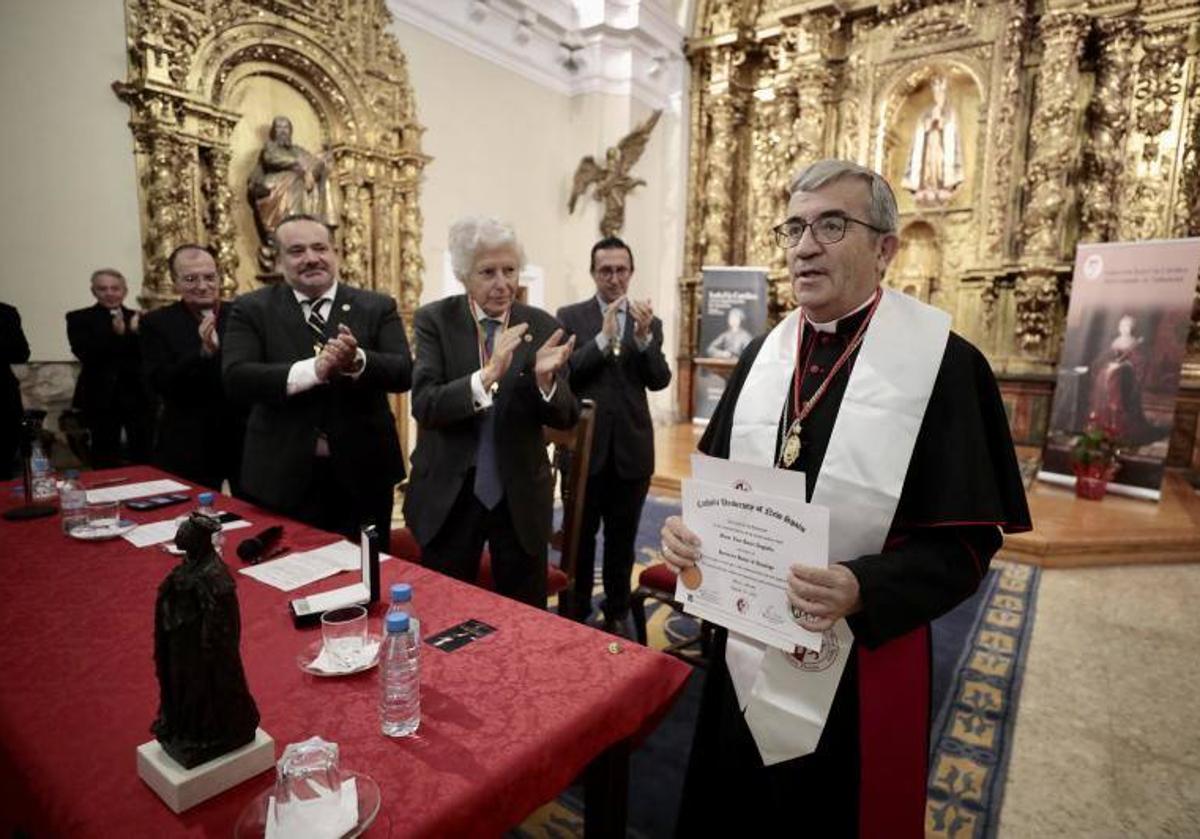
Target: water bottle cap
column 397, row 622
column 401, row 592
column 206, row 498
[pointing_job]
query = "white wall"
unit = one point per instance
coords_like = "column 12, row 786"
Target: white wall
column 506, row 146
column 66, row 162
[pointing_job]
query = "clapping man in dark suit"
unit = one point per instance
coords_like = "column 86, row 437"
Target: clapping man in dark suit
column 109, row 392
column 489, row 374
column 316, row 359
column 198, row 435
column 618, row 357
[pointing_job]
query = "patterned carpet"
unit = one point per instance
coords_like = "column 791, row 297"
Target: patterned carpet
column 979, row 653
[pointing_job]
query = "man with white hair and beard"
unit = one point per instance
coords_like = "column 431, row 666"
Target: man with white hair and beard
column 898, row 427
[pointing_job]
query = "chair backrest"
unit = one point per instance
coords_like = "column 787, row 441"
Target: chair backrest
column 572, row 457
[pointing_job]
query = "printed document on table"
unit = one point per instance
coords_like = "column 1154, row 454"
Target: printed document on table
column 296, row 570
column 140, row 490
column 748, row 541
column 164, row 531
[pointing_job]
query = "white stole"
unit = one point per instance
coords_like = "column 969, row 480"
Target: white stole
column 787, row 699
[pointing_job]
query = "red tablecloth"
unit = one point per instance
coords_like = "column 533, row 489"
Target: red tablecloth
column 507, row 721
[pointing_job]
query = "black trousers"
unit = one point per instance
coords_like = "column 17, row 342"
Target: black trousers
column 328, row 504
column 106, row 426
column 618, row 503
column 455, row 550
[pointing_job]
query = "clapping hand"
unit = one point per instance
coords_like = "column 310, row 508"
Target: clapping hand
column 338, row 355
column 506, row 344
column 551, row 357
column 643, row 315
column 609, row 327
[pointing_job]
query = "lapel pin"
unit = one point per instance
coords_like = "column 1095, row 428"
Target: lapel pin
column 345, row 307
column 528, row 337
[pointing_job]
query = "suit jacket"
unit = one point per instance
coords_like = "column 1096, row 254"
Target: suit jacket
column 110, row 375
column 14, row 349
column 266, row 334
column 618, row 384
column 447, row 354
column 199, row 431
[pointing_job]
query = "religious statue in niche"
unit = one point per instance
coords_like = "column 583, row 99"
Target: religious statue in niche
column 205, row 707
column 287, row 180
column 935, row 164
column 613, row 183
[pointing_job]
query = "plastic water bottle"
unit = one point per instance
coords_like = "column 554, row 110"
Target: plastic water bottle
column 402, row 601
column 73, row 502
column 44, row 487
column 399, row 679
column 207, row 501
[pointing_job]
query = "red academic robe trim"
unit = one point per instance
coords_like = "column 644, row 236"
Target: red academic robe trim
column 893, row 703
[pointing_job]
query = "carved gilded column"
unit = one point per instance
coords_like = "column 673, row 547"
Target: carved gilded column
column 1108, row 121
column 354, row 230
column 1145, row 205
column 716, row 229
column 1052, row 165
column 1000, row 201
column 168, row 210
column 1054, row 140
column 218, row 199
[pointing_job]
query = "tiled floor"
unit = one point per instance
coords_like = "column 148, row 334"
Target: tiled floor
column 1108, row 729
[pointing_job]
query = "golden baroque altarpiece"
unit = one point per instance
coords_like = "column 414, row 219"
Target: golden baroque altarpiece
column 205, row 79
column 1072, row 123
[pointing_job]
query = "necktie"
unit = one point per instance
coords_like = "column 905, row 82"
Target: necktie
column 488, row 488
column 316, row 323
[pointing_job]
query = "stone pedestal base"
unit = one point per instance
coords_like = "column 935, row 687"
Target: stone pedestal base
column 182, row 788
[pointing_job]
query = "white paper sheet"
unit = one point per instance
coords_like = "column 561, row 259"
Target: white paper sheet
column 749, row 541
column 139, row 490
column 163, row 531
column 291, row 572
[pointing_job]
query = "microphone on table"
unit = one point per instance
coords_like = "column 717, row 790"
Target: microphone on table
column 257, row 548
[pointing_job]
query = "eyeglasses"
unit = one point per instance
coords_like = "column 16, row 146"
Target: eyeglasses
column 827, row 230
column 608, row 271
column 196, row 279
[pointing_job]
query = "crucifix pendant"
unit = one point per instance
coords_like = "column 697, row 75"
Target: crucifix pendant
column 791, row 445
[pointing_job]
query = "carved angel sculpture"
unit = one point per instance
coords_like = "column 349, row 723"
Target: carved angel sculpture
column 613, row 182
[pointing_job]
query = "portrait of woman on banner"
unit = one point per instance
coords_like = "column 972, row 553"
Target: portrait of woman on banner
column 1119, row 375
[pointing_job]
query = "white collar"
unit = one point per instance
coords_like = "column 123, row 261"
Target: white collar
column 831, row 326
column 604, row 306
column 480, row 315
column 329, row 294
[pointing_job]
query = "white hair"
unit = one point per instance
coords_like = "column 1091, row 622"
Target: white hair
column 470, row 235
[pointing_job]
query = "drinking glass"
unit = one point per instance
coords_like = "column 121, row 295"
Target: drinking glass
column 344, row 634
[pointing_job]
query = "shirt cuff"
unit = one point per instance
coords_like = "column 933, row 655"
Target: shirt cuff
column 546, row 397
column 602, row 342
column 360, row 364
column 302, row 376
column 481, row 398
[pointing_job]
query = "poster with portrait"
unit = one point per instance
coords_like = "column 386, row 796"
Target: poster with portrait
column 1127, row 327
column 733, row 313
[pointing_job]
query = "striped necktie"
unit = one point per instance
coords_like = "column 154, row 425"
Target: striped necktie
column 316, row 323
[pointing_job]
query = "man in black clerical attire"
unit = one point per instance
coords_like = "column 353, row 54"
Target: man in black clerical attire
column 618, row 357
column 14, row 349
column 109, row 392
column 198, row 435
column 898, row 426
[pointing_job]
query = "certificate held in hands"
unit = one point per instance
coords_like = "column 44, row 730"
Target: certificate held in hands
column 748, row 541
